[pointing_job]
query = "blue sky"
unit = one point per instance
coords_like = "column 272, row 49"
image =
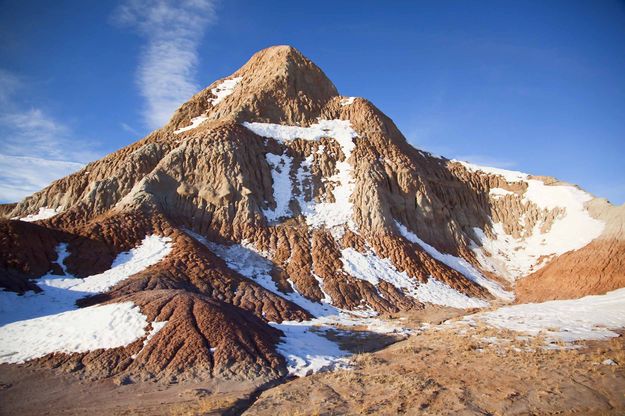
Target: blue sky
column 537, row 86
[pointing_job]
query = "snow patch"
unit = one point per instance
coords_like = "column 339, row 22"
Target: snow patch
column 38, row 319
column 82, row 330
column 245, row 259
column 347, row 101
column 571, row 230
column 151, row 251
column 588, row 318
column 517, row 257
column 307, row 352
column 497, row 193
column 221, row 91
column 156, row 327
column 43, row 214
column 282, row 186
column 196, row 121
column 340, row 130
column 460, row 265
column 330, row 214
column 369, row 267
column 224, row 89
column 508, row 175
column 339, row 212
column 304, row 181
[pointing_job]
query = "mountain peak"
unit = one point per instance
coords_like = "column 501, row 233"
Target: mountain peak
column 277, row 84
column 284, row 52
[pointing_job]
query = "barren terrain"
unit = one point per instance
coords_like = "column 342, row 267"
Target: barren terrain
column 442, row 370
column 446, row 373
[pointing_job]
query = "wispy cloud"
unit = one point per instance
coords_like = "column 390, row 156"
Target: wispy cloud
column 9, row 84
column 21, row 176
column 173, row 30
column 128, row 128
column 35, row 148
column 32, row 132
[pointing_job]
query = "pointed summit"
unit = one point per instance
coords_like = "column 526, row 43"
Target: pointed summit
column 278, row 84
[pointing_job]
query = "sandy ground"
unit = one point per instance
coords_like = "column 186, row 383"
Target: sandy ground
column 481, row 372
column 28, row 391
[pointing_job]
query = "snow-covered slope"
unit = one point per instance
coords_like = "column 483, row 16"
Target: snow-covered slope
column 329, row 214
column 36, row 324
column 369, row 267
column 458, row 264
column 565, row 225
column 590, row 317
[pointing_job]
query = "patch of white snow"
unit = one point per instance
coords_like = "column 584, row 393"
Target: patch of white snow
column 460, row 265
column 35, row 324
column 571, row 230
column 43, row 214
column 224, row 89
column 307, row 352
column 588, row 318
column 196, row 121
column 497, row 193
column 282, row 186
column 508, row 175
column 371, row 268
column 246, row 260
column 81, row 330
column 330, row 214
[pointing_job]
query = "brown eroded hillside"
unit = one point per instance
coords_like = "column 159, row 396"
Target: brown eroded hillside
column 276, row 200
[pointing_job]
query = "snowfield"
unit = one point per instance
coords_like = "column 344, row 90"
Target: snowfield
column 81, row 330
column 330, row 214
column 458, row 264
column 573, row 229
column 587, row 318
column 371, row 268
column 307, row 352
column 35, row 324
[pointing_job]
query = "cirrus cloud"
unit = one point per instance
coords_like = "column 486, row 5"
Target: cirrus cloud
column 168, row 64
column 35, row 147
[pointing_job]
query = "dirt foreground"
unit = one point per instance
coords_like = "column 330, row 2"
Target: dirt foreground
column 442, row 371
column 480, row 372
column 28, row 391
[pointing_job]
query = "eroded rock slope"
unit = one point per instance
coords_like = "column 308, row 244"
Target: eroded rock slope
column 272, row 162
